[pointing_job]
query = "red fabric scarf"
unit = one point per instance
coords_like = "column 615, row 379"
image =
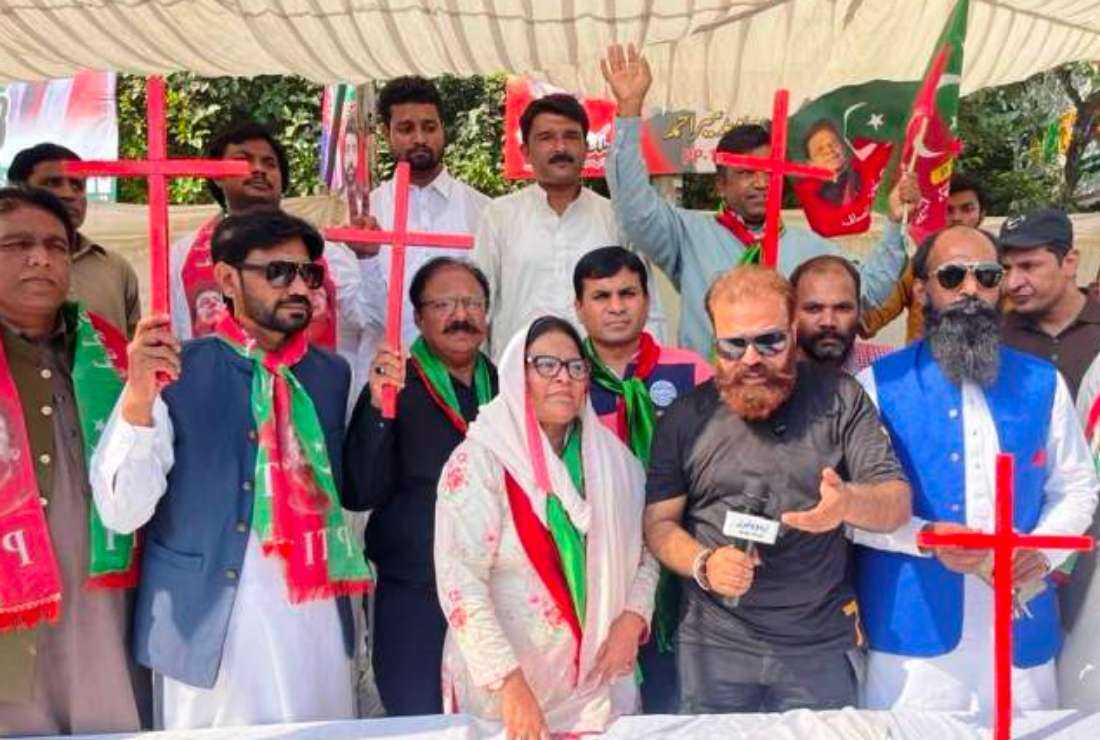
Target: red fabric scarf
column 648, row 355
column 456, row 419
column 543, row 554
column 204, row 301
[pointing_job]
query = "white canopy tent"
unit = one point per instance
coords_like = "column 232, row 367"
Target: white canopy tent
column 707, row 54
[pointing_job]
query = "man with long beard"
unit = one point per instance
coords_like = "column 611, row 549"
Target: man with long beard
column 769, row 438
column 951, row 403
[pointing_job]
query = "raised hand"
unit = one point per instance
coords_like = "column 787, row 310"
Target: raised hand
column 153, row 351
column 830, row 510
column 629, row 77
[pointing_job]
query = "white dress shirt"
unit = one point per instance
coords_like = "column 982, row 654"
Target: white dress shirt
column 281, row 662
column 962, row 680
column 528, row 252
column 444, row 205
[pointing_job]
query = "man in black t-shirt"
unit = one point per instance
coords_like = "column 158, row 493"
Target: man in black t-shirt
column 771, row 631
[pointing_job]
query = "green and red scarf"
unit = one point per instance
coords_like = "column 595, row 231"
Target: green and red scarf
column 30, row 581
column 296, row 511
column 636, row 415
column 437, row 380
column 736, row 225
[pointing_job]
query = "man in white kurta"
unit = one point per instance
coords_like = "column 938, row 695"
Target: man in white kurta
column 530, row 241
column 215, row 618
column 996, row 392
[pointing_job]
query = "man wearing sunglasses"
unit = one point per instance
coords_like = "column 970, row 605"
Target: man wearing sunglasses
column 1051, row 316
column 802, row 447
column 234, row 470
column 393, row 468
column 951, row 402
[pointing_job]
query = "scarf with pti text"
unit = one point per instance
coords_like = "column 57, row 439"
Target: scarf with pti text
column 296, row 511
column 30, row 581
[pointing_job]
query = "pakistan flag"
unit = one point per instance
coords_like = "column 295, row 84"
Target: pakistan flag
column 858, row 131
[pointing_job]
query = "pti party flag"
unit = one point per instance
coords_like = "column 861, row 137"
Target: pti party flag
column 859, row 131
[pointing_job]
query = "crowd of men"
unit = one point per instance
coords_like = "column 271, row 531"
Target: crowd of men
column 176, row 543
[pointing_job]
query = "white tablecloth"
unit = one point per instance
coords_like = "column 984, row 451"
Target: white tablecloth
column 848, row 724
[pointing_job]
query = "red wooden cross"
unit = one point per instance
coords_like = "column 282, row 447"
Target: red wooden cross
column 1003, row 542
column 399, row 239
column 157, row 168
column 777, row 166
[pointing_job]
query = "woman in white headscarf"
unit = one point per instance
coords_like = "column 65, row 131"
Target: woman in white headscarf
column 541, row 569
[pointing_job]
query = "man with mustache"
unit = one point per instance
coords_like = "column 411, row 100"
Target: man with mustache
column 393, row 467
column 65, row 663
column 411, row 110
column 353, row 297
column 827, row 309
column 951, row 402
column 634, row 380
column 771, row 631
column 233, row 469
column 100, row 278
column 530, row 240
column 692, row 247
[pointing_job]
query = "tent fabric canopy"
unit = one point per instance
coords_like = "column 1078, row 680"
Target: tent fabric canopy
column 707, row 54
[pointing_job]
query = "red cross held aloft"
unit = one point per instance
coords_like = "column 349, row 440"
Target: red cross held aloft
column 399, row 239
column 777, row 166
column 1004, row 541
column 157, row 168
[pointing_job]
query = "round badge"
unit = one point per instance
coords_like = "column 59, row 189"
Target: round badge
column 662, row 393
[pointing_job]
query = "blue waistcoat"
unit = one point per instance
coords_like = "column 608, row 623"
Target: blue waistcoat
column 914, row 606
column 194, row 545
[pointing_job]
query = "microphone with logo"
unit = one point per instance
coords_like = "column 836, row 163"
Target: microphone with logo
column 747, row 526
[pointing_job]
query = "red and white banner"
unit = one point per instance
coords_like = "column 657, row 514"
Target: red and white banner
column 76, row 112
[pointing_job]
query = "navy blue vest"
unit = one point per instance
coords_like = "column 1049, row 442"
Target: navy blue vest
column 195, row 543
column 914, row 606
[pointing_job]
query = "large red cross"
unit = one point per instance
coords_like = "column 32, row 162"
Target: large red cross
column 399, row 239
column 1004, row 541
column 777, row 166
column 157, row 168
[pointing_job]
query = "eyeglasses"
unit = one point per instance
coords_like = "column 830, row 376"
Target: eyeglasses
column 450, row 304
column 549, row 366
column 280, row 273
column 952, row 274
column 768, row 344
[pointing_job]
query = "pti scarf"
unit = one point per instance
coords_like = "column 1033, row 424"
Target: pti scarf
column 736, row 225
column 437, row 380
column 567, row 538
column 30, row 581
column 296, row 511
column 204, row 297
column 634, row 406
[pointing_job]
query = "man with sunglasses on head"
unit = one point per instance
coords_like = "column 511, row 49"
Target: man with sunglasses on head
column 392, row 469
column 228, row 451
column 951, row 402
column 800, row 447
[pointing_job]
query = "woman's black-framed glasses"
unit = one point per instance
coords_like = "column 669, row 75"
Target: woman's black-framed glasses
column 548, row 366
column 280, row 273
column 767, row 344
column 988, row 274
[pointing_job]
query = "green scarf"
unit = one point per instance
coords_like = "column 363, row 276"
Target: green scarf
column 296, row 510
column 439, row 379
column 641, row 416
column 569, row 540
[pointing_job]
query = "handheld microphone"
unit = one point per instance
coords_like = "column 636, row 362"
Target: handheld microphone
column 746, row 525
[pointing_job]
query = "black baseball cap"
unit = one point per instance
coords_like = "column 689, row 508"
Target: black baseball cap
column 1046, row 227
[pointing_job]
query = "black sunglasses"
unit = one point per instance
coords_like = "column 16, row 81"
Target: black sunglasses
column 280, row 273
column 768, row 344
column 952, row 274
column 549, row 366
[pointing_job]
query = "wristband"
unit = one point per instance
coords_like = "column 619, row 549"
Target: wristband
column 699, row 568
